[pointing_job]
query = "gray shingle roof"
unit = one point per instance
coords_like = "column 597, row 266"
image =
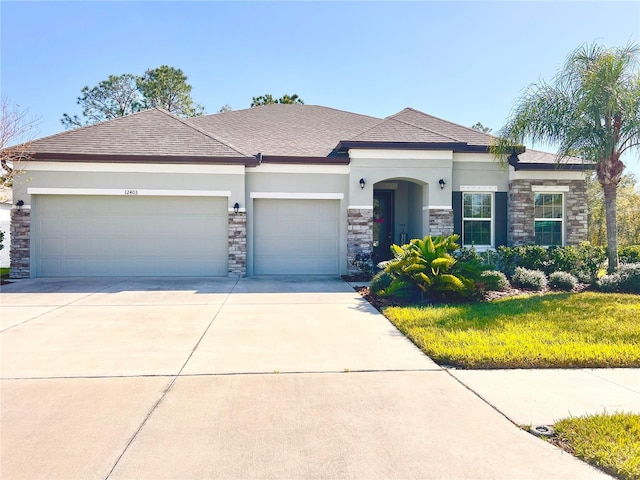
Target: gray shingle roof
column 152, row 132
column 288, row 130
column 272, row 130
column 453, row 131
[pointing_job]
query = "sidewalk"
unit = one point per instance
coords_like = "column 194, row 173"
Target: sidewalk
column 541, row 397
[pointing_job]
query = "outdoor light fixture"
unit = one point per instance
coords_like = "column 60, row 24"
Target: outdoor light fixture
column 362, row 183
column 442, row 183
column 236, row 207
column 19, row 204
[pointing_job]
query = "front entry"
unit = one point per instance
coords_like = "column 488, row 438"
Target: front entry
column 382, row 224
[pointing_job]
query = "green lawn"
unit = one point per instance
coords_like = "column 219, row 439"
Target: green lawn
column 609, row 441
column 4, row 272
column 538, row 331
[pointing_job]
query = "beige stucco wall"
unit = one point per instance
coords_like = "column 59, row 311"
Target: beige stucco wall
column 131, row 177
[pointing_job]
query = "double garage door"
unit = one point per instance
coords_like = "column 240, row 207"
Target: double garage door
column 129, row 235
column 83, row 235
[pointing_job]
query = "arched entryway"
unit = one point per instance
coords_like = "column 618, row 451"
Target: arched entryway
column 397, row 214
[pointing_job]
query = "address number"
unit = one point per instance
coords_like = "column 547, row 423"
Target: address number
column 131, row 192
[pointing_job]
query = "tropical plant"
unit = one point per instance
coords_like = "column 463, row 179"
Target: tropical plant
column 592, row 109
column 428, row 267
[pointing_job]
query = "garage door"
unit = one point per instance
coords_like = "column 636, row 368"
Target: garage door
column 296, row 237
column 129, row 235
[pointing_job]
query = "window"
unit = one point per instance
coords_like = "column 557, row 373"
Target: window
column 477, row 219
column 549, row 218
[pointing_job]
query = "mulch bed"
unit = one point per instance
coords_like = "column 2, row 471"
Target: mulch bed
column 379, row 303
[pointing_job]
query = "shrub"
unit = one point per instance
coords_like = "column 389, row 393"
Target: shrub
column 530, row 279
column 380, row 281
column 493, row 281
column 592, row 257
column 629, row 254
column 364, row 263
column 626, row 279
column 428, row 267
column 562, row 259
column 562, row 281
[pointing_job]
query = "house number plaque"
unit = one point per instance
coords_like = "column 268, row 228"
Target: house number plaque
column 131, row 192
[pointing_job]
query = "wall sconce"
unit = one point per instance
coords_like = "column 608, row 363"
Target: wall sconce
column 19, row 204
column 362, row 183
column 236, row 207
column 442, row 183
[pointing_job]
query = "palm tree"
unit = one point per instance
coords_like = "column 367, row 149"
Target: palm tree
column 592, row 110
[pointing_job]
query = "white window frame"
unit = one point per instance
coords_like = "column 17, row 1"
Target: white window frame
column 470, row 191
column 551, row 191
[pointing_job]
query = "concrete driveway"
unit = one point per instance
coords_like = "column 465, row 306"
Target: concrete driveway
column 252, row 378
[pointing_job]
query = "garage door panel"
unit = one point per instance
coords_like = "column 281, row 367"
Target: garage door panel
column 296, row 236
column 91, row 235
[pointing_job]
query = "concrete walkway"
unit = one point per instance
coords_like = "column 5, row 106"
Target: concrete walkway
column 251, row 378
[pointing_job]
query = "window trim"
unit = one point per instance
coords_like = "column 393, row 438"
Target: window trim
column 491, row 193
column 551, row 191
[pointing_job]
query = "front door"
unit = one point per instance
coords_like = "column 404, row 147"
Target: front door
column 382, row 224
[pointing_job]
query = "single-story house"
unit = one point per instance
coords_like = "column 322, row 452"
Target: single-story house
column 276, row 189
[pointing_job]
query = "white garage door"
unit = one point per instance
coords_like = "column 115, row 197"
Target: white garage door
column 296, row 237
column 129, row 235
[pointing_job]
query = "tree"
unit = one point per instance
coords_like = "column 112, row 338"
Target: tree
column 592, row 107
column 225, row 108
column 481, row 128
column 268, row 99
column 166, row 87
column 17, row 129
column 627, row 211
column 114, row 97
column 120, row 95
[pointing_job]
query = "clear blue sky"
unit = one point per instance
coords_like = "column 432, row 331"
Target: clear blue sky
column 462, row 61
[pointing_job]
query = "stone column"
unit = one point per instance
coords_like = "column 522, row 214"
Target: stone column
column 440, row 221
column 359, row 235
column 237, row 244
column 520, row 207
column 20, row 252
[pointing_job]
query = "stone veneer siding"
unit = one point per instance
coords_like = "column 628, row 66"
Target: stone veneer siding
column 521, row 211
column 359, row 235
column 237, row 244
column 440, row 221
column 20, row 252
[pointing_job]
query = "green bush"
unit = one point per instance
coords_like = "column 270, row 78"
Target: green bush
column 492, row 281
column 380, row 281
column 562, row 281
column 530, row 279
column 626, row 279
column 629, row 254
column 428, row 267
column 583, row 261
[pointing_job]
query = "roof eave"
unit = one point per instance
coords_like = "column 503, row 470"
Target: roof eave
column 151, row 159
column 346, row 145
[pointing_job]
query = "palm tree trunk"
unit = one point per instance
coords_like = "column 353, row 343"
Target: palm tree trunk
column 610, row 196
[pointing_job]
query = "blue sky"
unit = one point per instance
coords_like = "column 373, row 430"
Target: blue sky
column 462, row 61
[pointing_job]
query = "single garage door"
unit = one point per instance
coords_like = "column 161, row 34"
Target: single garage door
column 296, row 237
column 129, row 235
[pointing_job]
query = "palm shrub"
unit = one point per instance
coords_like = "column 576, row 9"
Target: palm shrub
column 428, row 267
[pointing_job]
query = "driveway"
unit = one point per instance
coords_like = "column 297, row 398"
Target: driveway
column 269, row 377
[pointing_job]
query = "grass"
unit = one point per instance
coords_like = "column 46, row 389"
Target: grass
column 608, row 441
column 4, row 272
column 567, row 330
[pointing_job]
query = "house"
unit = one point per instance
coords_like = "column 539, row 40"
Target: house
column 5, row 224
column 277, row 189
